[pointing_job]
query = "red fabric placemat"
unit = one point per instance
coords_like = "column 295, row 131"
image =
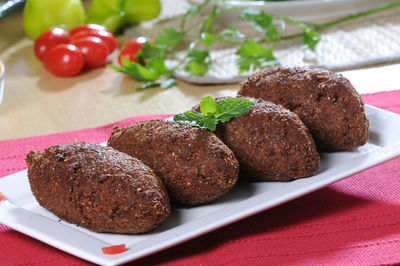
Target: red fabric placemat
column 355, row 221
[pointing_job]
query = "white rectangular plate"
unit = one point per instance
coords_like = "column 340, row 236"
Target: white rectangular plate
column 20, row 211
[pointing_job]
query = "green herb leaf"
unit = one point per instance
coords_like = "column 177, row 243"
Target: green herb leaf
column 157, row 65
column 137, row 71
column 209, row 123
column 262, row 22
column 310, row 37
column 213, row 113
column 231, row 108
column 169, row 39
column 150, row 51
column 199, row 62
column 152, row 71
column 253, row 56
column 196, row 68
column 207, row 38
column 195, row 119
column 207, row 106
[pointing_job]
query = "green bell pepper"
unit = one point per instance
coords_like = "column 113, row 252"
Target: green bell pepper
column 114, row 14
column 41, row 15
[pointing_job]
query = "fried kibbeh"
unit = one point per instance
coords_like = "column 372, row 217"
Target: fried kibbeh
column 325, row 101
column 270, row 142
column 194, row 165
column 98, row 188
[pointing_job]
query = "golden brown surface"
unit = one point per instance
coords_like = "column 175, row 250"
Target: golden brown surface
column 325, row 101
column 270, row 142
column 194, row 165
column 98, row 188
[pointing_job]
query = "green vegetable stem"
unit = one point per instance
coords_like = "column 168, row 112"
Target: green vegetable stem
column 115, row 14
column 41, row 15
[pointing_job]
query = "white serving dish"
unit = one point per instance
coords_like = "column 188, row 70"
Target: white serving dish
column 20, row 211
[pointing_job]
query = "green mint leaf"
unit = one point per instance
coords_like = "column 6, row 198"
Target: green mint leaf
column 212, row 113
column 209, row 123
column 231, row 108
column 190, row 118
column 253, row 56
column 207, row 38
column 168, row 83
column 195, row 119
column 262, row 22
column 199, row 62
column 169, row 39
column 232, row 32
column 207, row 106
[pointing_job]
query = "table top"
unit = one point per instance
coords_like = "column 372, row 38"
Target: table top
column 36, row 102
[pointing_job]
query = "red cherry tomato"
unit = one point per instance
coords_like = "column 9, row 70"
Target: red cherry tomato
column 48, row 40
column 106, row 36
column 130, row 50
column 94, row 50
column 77, row 29
column 64, row 60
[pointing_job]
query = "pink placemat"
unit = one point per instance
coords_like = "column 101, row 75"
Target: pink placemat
column 355, row 221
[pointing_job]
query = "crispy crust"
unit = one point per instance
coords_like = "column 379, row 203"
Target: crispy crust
column 98, row 188
column 270, row 142
column 325, row 101
column 194, row 165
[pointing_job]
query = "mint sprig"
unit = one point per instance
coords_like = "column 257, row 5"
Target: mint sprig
column 212, row 113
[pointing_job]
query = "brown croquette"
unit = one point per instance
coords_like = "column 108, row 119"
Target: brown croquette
column 98, row 188
column 326, row 102
column 194, row 165
column 270, row 142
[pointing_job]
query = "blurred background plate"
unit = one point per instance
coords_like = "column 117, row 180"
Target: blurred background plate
column 307, row 10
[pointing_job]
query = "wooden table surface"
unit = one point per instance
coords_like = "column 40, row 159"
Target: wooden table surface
column 36, row 102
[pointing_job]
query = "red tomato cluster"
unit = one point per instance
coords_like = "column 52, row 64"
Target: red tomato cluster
column 67, row 53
